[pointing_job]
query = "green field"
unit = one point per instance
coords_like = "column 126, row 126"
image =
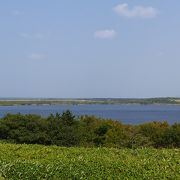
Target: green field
column 52, row 162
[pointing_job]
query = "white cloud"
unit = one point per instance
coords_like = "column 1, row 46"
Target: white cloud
column 161, row 53
column 25, row 35
column 37, row 56
column 17, row 12
column 105, row 34
column 39, row 36
column 136, row 11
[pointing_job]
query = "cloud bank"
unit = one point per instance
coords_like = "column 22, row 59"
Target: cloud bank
column 136, row 11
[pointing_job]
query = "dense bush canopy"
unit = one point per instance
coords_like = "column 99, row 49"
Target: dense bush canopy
column 88, row 131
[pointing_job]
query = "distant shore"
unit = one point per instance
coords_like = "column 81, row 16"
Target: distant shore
column 53, row 101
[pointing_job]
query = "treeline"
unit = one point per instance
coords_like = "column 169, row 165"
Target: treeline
column 88, row 131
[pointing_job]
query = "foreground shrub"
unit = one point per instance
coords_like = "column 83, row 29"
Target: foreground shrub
column 67, row 130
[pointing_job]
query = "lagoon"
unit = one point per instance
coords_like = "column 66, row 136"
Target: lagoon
column 127, row 113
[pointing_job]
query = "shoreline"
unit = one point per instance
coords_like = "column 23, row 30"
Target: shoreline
column 89, row 101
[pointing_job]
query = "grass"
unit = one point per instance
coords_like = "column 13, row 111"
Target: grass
column 52, row 162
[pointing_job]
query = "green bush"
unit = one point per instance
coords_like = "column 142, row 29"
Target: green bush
column 67, row 130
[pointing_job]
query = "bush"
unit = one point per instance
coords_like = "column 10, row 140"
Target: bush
column 87, row 131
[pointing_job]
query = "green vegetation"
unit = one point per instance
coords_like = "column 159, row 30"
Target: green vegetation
column 87, row 131
column 87, row 148
column 168, row 100
column 52, row 162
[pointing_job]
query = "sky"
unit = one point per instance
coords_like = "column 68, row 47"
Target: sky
column 90, row 49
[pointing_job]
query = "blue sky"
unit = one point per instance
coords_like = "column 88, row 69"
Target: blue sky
column 86, row 49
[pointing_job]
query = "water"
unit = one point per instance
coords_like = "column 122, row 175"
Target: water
column 133, row 114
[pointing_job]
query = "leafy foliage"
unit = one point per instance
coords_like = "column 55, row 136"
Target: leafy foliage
column 88, row 131
column 52, row 162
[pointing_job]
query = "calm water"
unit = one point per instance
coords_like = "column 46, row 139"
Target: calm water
column 133, row 114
